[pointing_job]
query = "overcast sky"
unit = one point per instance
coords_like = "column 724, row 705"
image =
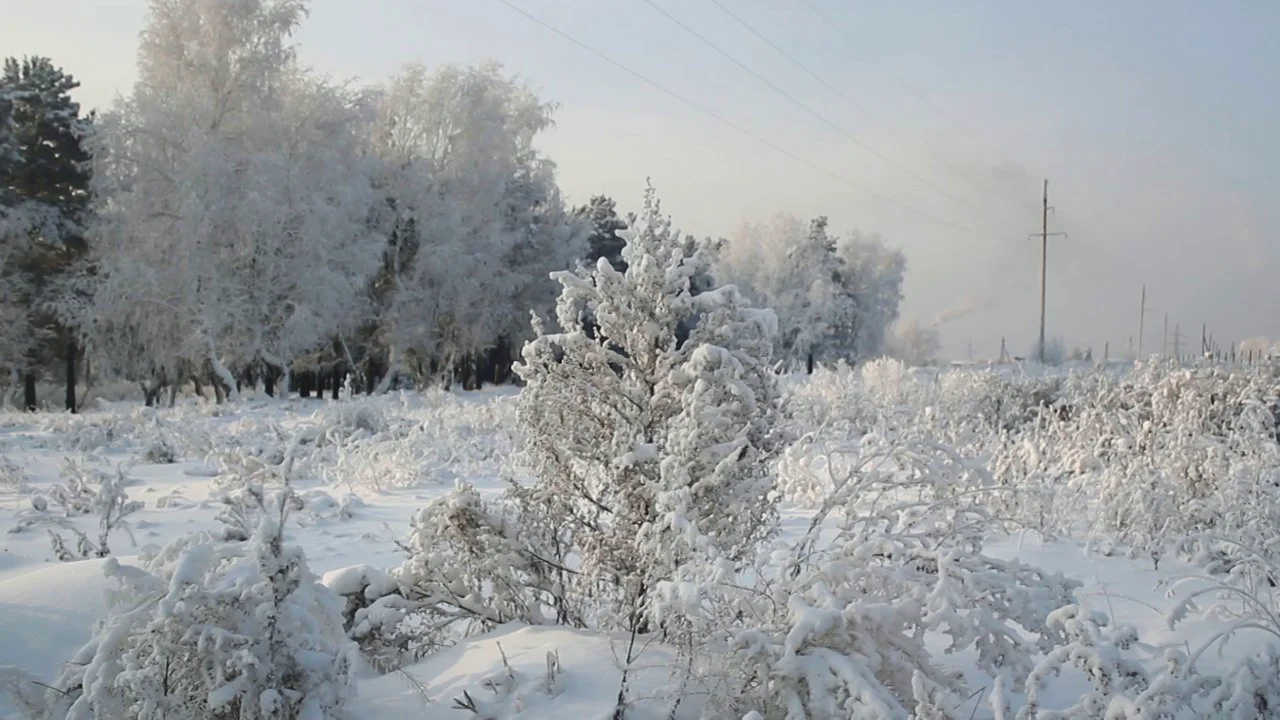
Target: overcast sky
column 1155, row 121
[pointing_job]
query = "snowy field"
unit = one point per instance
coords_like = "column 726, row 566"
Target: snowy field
column 1122, row 485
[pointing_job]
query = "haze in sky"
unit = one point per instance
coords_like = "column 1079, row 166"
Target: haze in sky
column 1154, row 121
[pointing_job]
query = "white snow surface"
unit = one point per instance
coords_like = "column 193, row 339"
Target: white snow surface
column 362, row 482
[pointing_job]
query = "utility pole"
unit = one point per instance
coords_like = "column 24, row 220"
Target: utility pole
column 1142, row 319
column 1044, row 262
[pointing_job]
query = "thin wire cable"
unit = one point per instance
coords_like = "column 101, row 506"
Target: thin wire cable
column 844, row 96
column 719, row 118
column 850, row 136
column 920, row 95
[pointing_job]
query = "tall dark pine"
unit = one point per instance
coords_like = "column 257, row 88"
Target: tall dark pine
column 603, row 242
column 49, row 177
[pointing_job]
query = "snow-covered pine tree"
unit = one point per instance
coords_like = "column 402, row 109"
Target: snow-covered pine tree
column 211, row 629
column 44, row 182
column 604, row 240
column 649, row 444
column 835, row 297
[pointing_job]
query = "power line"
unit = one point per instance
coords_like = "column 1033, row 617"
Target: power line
column 803, row 105
column 920, row 95
column 719, row 118
column 840, row 94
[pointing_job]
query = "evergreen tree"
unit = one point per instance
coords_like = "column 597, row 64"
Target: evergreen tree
column 649, row 447
column 835, row 297
column 43, row 197
column 603, row 242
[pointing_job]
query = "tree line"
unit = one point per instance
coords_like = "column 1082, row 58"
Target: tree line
column 238, row 220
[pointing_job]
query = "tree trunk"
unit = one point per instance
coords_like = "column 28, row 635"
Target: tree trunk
column 337, row 381
column 86, row 372
column 29, row 391
column 223, row 380
column 71, row 375
column 809, row 364
column 269, row 381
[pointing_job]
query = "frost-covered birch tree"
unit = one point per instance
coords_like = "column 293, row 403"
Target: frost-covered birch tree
column 476, row 218
column 234, row 199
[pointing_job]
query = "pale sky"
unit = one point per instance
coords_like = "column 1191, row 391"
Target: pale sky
column 1155, row 122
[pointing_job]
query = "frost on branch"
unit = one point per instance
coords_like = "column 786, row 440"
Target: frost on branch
column 1121, row 688
column 835, row 628
column 211, row 629
column 83, row 491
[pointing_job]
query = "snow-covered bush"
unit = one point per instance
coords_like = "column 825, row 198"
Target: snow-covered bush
column 831, row 401
column 209, row 628
column 835, row 624
column 160, row 452
column 83, row 491
column 477, row 560
column 13, row 479
column 437, row 438
column 1166, row 453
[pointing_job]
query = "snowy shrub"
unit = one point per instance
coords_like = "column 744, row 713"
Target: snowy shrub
column 1169, row 454
column 83, row 491
column 77, row 493
column 357, row 418
column 836, row 625
column 995, row 400
column 210, row 629
column 160, row 452
column 1101, row 654
column 13, row 479
column 1120, row 686
column 887, row 381
column 435, row 442
column 831, row 401
column 389, row 630
column 471, row 565
column 475, row 560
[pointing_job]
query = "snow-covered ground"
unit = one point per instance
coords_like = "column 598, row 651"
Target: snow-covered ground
column 363, row 467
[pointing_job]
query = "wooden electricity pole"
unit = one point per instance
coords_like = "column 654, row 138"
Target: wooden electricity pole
column 1044, row 263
